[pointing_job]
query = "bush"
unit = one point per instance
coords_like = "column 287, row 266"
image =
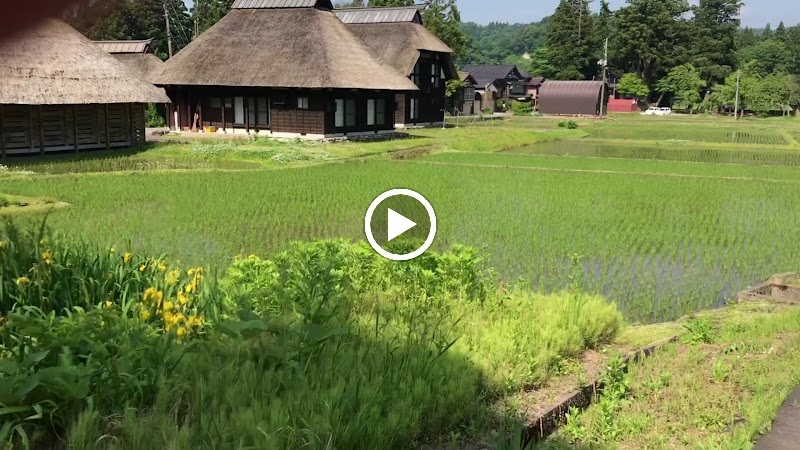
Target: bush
column 487, row 111
column 521, row 108
column 153, row 118
column 328, row 337
column 571, row 124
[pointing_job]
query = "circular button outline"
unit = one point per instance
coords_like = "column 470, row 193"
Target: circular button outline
column 368, row 224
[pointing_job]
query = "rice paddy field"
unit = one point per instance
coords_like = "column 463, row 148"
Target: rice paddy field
column 666, row 217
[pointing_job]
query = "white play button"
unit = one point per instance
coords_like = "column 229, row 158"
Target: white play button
column 398, row 224
column 412, row 204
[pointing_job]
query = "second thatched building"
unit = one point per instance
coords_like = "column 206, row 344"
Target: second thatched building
column 282, row 68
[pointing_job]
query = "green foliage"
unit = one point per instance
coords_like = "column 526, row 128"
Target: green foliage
column 649, row 37
column 142, row 19
column 684, row 83
column 498, row 43
column 327, row 334
column 631, row 85
column 568, row 124
column 153, row 118
column 452, row 87
column 715, row 27
column 521, row 108
column 569, row 41
column 699, row 330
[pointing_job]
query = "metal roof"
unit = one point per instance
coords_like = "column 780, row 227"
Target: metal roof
column 125, row 46
column 275, row 4
column 392, row 14
column 485, row 74
column 570, row 97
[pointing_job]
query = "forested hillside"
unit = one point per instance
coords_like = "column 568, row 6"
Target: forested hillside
column 662, row 50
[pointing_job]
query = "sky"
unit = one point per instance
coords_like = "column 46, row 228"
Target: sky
column 756, row 13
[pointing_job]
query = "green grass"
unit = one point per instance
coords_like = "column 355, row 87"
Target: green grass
column 658, row 255
column 618, row 165
column 724, row 154
column 687, row 132
column 720, row 393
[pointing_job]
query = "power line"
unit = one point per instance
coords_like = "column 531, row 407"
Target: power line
column 181, row 28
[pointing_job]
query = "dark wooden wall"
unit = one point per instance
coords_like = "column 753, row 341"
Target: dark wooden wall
column 431, row 98
column 27, row 129
column 285, row 114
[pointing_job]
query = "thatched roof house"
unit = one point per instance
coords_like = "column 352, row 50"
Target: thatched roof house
column 285, row 68
column 136, row 55
column 398, row 36
column 61, row 92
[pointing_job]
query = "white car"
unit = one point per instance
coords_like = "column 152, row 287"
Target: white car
column 656, row 111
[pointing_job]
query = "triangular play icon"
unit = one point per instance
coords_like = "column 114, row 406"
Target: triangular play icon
column 398, row 224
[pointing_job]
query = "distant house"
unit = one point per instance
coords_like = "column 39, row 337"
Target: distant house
column 60, row 92
column 534, row 84
column 498, row 82
column 283, row 68
column 398, row 37
column 463, row 102
column 573, row 98
column 137, row 55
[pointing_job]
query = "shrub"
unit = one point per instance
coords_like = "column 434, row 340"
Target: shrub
column 487, row 111
column 153, row 118
column 570, row 124
column 521, row 108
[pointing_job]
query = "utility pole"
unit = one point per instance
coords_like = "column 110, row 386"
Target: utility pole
column 604, row 63
column 736, row 105
column 169, row 33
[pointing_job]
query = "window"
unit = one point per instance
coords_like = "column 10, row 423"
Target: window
column 228, row 102
column 302, row 102
column 345, row 113
column 415, row 74
column 376, row 111
column 238, row 110
column 414, row 109
column 435, row 75
column 350, row 113
column 371, row 112
column 251, row 111
column 215, row 102
column 380, row 112
column 339, row 113
column 263, row 111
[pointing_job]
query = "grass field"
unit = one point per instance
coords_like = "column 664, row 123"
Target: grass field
column 662, row 228
column 325, row 344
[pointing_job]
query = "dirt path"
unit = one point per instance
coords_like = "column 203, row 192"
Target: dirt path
column 785, row 433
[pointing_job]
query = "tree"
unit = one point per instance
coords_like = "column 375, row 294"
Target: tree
column 569, row 41
column 649, row 37
column 631, row 85
column 767, row 33
column 780, row 32
column 539, row 65
column 768, row 56
column 746, row 38
column 209, row 12
column 684, row 82
column 716, row 23
column 350, row 4
column 134, row 19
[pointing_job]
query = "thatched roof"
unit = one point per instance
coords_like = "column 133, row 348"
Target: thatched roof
column 52, row 63
column 399, row 44
column 290, row 47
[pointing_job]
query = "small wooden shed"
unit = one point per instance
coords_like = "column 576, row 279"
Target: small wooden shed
column 60, row 92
